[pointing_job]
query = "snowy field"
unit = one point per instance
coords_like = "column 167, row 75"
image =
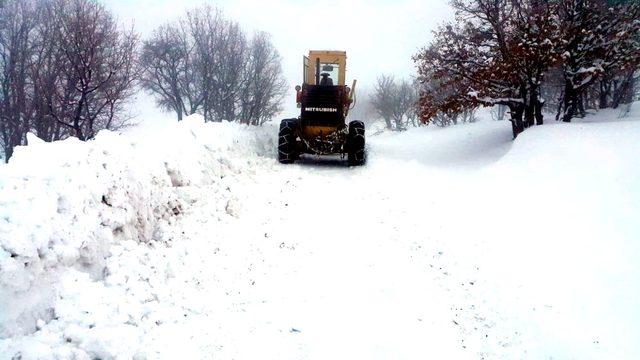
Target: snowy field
column 190, row 241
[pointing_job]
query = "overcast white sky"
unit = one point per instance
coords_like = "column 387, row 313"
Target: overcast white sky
column 380, row 36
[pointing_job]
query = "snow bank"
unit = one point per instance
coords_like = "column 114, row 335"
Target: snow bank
column 564, row 260
column 550, row 238
column 62, row 205
column 539, row 235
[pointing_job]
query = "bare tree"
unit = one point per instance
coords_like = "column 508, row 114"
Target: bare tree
column 100, row 68
column 17, row 23
column 232, row 60
column 405, row 98
column 206, row 27
column 395, row 103
column 206, row 63
column 166, row 59
column 261, row 96
column 498, row 112
column 466, row 115
column 413, row 114
column 46, row 70
column 383, row 98
column 66, row 70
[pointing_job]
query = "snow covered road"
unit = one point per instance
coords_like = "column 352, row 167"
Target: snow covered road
column 329, row 262
column 429, row 251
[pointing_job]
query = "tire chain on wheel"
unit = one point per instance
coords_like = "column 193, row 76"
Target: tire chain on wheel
column 286, row 142
column 356, row 143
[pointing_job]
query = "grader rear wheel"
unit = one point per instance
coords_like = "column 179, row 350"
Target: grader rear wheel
column 287, row 141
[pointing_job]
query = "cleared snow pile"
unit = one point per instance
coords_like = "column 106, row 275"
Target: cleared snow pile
column 63, row 205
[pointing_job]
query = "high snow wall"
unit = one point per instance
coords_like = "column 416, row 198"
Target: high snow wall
column 63, row 204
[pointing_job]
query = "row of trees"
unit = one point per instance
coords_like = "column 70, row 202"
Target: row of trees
column 395, row 102
column 500, row 52
column 67, row 68
column 204, row 63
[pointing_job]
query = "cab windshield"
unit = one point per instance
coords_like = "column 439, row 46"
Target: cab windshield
column 331, row 72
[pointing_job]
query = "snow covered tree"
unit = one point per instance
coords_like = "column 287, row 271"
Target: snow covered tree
column 599, row 40
column 496, row 53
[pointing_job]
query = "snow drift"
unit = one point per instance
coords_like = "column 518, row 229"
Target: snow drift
column 190, row 241
column 63, row 205
column 544, row 228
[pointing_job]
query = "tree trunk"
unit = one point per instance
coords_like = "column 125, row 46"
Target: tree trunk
column 8, row 151
column 179, row 112
column 15, row 139
column 570, row 102
column 517, row 123
column 399, row 124
column 538, row 112
column 560, row 105
column 388, row 123
column 581, row 110
column 77, row 127
column 529, row 110
column 603, row 101
column 624, row 93
column 525, row 112
column 528, row 120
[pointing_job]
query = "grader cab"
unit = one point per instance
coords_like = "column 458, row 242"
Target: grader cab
column 324, row 101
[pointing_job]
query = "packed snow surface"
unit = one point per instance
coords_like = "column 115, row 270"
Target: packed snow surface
column 189, row 240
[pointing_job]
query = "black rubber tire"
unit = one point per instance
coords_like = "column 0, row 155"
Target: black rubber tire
column 356, row 153
column 287, row 141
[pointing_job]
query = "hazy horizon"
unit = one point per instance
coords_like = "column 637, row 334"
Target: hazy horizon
column 381, row 38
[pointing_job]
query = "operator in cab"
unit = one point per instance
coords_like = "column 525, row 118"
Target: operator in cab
column 326, row 80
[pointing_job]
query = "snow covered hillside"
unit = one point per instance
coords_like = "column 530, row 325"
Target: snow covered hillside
column 190, row 241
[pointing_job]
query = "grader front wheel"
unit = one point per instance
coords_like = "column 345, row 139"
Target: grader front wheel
column 356, row 153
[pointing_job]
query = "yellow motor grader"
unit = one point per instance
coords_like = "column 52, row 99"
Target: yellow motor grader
column 325, row 101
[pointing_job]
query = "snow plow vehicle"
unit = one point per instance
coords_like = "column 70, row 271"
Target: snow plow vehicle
column 324, row 101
